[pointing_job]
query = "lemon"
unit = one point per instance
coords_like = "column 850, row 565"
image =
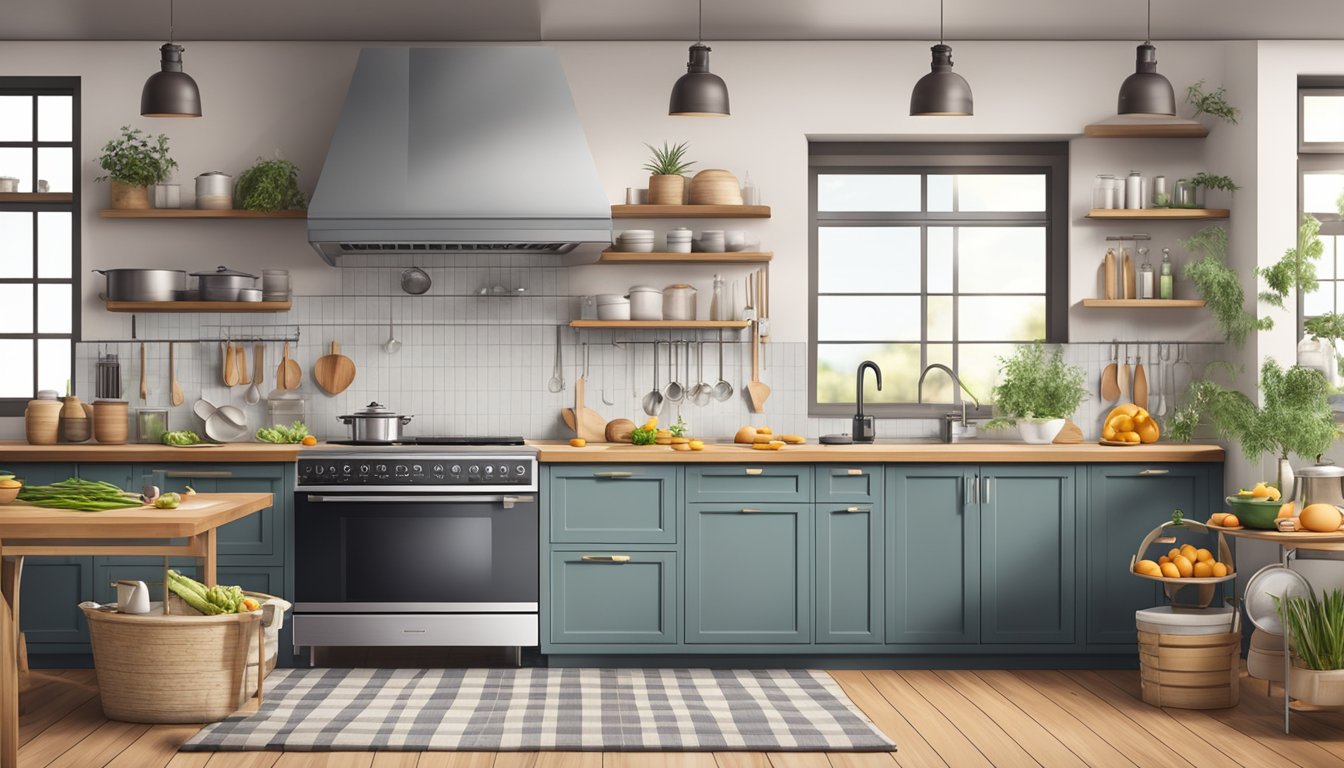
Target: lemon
column 1172, row 553
column 577, row 442
column 1163, row 560
column 1230, row 521
column 697, row 445
column 1189, row 552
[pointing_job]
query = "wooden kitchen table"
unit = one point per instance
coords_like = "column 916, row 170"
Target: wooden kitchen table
column 26, row 530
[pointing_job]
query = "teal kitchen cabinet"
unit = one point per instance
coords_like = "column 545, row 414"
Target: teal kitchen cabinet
column 748, row 484
column 1028, row 554
column 855, row 484
column 933, row 555
column 1125, row 502
column 256, row 540
column 849, row 571
column 613, row 596
column 748, row 572
column 612, row 504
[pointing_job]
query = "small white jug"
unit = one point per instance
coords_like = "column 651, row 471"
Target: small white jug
column 132, row 596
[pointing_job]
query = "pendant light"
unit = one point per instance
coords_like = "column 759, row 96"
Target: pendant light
column 699, row 92
column 942, row 91
column 1146, row 92
column 170, row 92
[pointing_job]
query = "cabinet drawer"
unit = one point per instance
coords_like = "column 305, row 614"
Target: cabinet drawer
column 50, row 591
column 757, row 483
column 859, row 483
column 612, row 596
column 627, row 504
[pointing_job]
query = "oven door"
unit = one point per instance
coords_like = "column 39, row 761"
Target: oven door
column 415, row 553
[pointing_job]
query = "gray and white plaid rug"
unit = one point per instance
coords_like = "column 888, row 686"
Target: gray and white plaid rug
column 547, row 709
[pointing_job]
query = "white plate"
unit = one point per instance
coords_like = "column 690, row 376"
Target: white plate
column 1272, row 580
column 222, row 430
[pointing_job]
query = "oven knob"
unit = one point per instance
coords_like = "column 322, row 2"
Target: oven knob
column 363, row 469
column 522, row 470
column 400, row 469
column 319, row 469
column 489, row 470
column 503, row 469
column 457, row 469
column 473, row 470
column 345, row 470
column 417, row 469
column 381, row 469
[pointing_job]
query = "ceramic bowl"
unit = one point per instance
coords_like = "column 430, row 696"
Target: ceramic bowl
column 1255, row 513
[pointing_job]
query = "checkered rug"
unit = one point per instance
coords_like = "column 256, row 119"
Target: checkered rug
column 547, row 709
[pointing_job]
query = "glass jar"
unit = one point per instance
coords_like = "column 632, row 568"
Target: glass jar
column 1184, row 196
column 1145, row 275
column 1161, row 199
column 1103, row 191
column 150, row 424
column 1166, row 280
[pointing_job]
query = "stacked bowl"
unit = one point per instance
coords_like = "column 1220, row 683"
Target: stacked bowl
column 679, row 240
column 635, row 241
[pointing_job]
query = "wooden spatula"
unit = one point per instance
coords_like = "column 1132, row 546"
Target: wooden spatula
column 588, row 424
column 757, row 391
column 176, row 397
column 288, row 375
column 1123, row 378
column 1110, row 384
column 1140, row 384
column 333, row 371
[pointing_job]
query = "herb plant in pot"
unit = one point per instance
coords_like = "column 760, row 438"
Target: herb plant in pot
column 270, row 185
column 1037, row 392
column 134, row 162
column 1316, row 638
column 667, row 185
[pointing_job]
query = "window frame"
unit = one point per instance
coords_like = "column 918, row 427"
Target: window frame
column 1048, row 158
column 49, row 86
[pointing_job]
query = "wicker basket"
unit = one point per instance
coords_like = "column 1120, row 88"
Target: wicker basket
column 177, row 668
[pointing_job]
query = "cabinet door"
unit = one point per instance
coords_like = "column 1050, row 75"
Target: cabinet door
column 933, row 555
column 849, row 573
column 1027, row 554
column 121, row 475
column 616, row 503
column 41, row 474
column 255, row 540
column 749, row 483
column 748, row 573
column 854, row 484
column 50, row 591
column 1125, row 502
column 611, row 596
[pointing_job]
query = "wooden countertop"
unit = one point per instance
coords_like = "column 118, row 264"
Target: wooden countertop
column 894, row 452
column 12, row 452
column 196, row 515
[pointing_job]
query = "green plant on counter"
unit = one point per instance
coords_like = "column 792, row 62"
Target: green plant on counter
column 644, row 436
column 1295, row 418
column 668, row 161
column 270, row 185
column 1297, row 268
column 1035, row 384
column 1315, row 628
column 1220, row 287
column 136, row 158
column 680, row 428
column 1213, row 103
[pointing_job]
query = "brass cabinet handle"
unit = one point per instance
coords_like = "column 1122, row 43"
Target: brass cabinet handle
column 1152, row 472
column 605, row 558
column 853, row 471
column 613, row 475
column 753, row 471
column 853, row 509
column 749, row 510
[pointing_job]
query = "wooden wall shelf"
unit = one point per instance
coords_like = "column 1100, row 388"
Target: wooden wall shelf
column 1145, row 128
column 690, row 211
column 199, row 306
column 738, row 257
column 1158, row 214
column 660, row 324
column 196, row 213
column 37, row 197
column 1144, row 303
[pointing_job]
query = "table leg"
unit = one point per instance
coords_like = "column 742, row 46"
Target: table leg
column 211, row 558
column 9, row 673
column 12, row 593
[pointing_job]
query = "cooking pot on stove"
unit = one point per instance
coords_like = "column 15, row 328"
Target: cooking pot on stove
column 1320, row 484
column 375, row 423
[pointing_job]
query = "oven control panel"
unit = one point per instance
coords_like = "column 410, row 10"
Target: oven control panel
column 418, row 471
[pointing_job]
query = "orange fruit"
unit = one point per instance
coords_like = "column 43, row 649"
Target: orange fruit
column 1189, row 552
column 1147, row 568
column 1203, row 554
column 1219, row 570
column 1203, row 570
column 1183, row 566
column 1163, row 560
column 1218, row 517
column 577, row 442
column 1286, row 510
column 1169, row 571
column 1231, row 521
column 1172, row 553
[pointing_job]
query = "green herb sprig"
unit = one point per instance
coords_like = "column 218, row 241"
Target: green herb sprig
column 1213, row 103
column 136, row 159
column 1036, row 385
column 1210, row 181
column 1220, row 287
column 668, row 161
column 1297, row 268
column 1315, row 628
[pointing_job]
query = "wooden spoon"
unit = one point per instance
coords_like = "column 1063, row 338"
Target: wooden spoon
column 334, row 372
column 1110, row 384
column 757, row 392
column 144, row 386
column 244, row 377
column 288, row 375
column 176, row 397
column 1140, row 384
column 1123, row 379
column 230, row 367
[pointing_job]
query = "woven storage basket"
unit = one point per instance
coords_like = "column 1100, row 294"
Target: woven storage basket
column 177, row 668
column 1190, row 671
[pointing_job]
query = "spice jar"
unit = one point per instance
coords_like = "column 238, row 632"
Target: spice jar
column 1145, row 275
column 1166, row 289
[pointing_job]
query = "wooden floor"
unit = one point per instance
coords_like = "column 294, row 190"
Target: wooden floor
column 943, row 718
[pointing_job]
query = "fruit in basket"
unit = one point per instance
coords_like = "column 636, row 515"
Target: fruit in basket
column 1219, row 570
column 1183, row 566
column 1217, row 518
column 1128, row 423
column 1189, row 552
column 1287, row 510
column 1203, row 555
column 1321, row 518
column 1147, row 568
column 1169, row 571
column 1230, row 521
column 1203, row 569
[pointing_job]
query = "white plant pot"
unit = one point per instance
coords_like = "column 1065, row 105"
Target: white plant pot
column 1039, row 431
column 1323, row 688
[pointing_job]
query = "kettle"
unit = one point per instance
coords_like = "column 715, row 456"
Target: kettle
column 1320, row 484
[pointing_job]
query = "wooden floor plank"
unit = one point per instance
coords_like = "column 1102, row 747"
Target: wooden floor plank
column 51, row 703
column 862, row 759
column 987, row 735
column 457, row 760
column 100, row 747
column 190, row 760
column 741, row 760
column 324, row 760
column 912, row 751
column 155, row 748
column 1268, row 714
column 548, row 760
column 1108, row 722
column 1072, row 732
column 945, row 738
column 1038, row 742
column 798, row 760
column 658, row 760
column 242, row 759
column 396, row 760
column 54, row 741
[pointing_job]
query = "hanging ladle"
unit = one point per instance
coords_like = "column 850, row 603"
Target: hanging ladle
column 393, row 343
column 722, row 390
column 653, row 401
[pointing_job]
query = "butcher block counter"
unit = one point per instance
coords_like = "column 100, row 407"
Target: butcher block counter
column 15, row 452
column 882, row 452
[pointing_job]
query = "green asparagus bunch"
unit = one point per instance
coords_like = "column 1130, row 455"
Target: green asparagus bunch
column 79, row 495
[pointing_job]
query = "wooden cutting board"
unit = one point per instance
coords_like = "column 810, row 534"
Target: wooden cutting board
column 589, row 424
column 1070, row 434
column 334, row 372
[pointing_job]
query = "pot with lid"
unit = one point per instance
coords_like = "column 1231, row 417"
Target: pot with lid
column 144, row 284
column 1320, row 484
column 224, row 284
column 214, row 191
column 375, row 423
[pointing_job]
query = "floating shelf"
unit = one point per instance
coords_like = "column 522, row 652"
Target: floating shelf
column 37, row 197
column 690, row 211
column 660, row 324
column 196, row 213
column 738, row 257
column 1121, row 127
column 1144, row 303
column 199, row 306
column 1158, row 214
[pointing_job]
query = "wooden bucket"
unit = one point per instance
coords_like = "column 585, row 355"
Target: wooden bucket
column 1190, row 671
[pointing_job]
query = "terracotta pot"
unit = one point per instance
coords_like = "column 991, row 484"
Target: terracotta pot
column 126, row 196
column 667, row 190
column 111, row 421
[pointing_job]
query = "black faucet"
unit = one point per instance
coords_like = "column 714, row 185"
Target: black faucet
column 864, row 429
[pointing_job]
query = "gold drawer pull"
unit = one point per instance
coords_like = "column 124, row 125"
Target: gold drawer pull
column 613, row 475
column 1152, row 472
column 605, row 558
column 854, row 471
column 748, row 510
column 852, row 509
column 754, row 471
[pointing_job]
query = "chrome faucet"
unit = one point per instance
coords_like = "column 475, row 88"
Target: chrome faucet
column 864, row 429
column 946, row 430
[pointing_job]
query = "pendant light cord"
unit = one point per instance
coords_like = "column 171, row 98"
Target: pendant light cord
column 940, row 21
column 1148, row 38
column 171, row 31
column 700, row 23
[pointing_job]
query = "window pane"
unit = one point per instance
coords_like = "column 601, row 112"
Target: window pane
column 55, row 118
column 16, row 309
column 53, row 308
column 1321, row 191
column 18, row 163
column 1325, row 266
column 16, row 244
column 1001, row 318
column 868, row 318
column 54, row 165
column 16, row 375
column 940, row 259
column 16, row 119
column 1319, row 301
column 837, row 364
column 53, row 244
column 53, row 363
column 1001, row 259
column 868, row 260
column 940, row 193
column 978, row 367
column 939, row 318
column 868, row 192
column 938, row 386
column 1001, row 192
column 1323, row 118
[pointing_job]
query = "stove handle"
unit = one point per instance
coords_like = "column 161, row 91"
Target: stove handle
column 508, row 501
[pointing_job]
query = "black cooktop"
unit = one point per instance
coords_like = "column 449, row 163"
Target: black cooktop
column 449, row 441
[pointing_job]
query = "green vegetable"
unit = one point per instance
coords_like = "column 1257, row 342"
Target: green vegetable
column 270, row 185
column 78, row 495
column 1210, row 181
column 680, row 428
column 1315, row 627
column 1033, row 385
column 294, row 433
column 168, row 500
column 193, row 593
column 642, row 436
column 1177, row 517
column 185, row 437
column 668, row 161
column 133, row 159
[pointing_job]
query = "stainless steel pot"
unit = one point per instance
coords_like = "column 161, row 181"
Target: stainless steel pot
column 375, row 423
column 1320, row 484
column 224, row 284
column 144, row 284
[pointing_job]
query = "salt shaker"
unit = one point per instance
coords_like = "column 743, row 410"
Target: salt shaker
column 1145, row 275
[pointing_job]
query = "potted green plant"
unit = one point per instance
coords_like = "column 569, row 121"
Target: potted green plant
column 1037, row 392
column 134, row 161
column 269, row 185
column 1316, row 639
column 667, row 185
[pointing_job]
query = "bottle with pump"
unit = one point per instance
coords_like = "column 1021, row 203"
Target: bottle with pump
column 1166, row 289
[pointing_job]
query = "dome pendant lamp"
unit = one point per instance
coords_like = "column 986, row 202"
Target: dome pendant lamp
column 699, row 92
column 942, row 91
column 1146, row 92
column 170, row 92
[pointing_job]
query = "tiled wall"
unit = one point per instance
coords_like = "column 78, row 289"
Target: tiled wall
column 472, row 364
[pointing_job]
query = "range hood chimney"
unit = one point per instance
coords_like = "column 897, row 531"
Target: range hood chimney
column 458, row 150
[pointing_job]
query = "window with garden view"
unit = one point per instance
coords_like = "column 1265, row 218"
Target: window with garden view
column 1321, row 193
column 931, row 253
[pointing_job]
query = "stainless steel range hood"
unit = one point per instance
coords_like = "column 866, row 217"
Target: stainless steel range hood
column 458, row 150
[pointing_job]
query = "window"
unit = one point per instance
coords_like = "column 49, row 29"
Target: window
column 1320, row 164
column 931, row 253
column 39, row 236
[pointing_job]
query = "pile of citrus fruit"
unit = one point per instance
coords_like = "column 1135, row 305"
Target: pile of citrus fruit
column 1128, row 423
column 1183, row 562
